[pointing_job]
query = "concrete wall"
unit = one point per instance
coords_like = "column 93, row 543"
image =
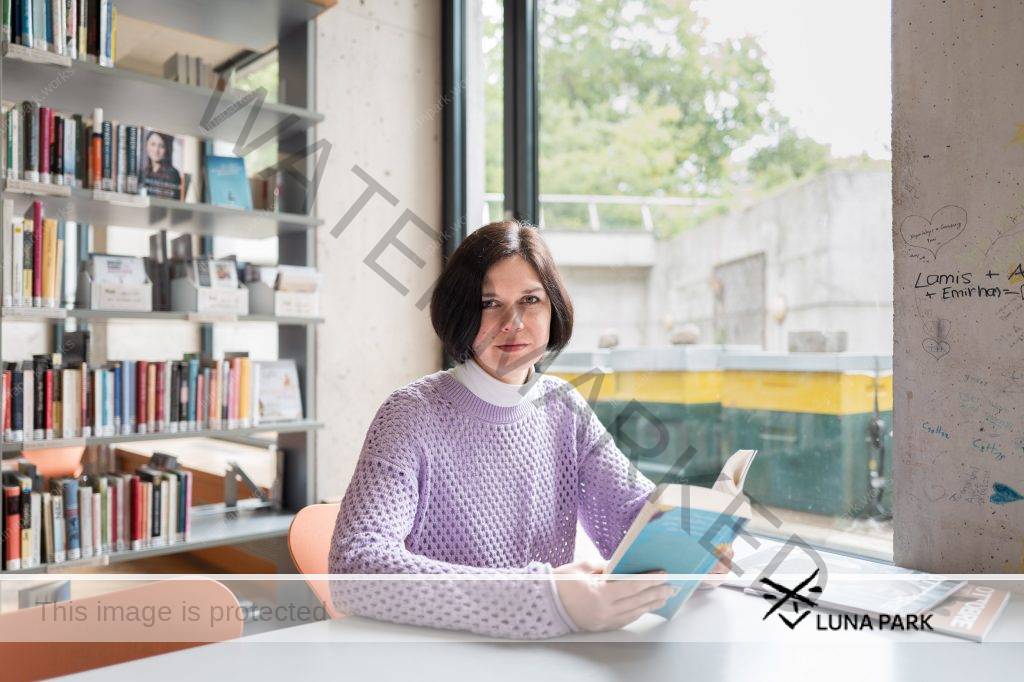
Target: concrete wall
column 606, row 300
column 379, row 87
column 958, row 167
column 827, row 256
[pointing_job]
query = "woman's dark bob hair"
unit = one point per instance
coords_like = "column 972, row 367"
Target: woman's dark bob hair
column 455, row 306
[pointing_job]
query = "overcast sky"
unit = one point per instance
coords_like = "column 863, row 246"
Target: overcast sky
column 830, row 60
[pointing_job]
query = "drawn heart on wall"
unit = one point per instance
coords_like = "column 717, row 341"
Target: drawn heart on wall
column 935, row 348
column 945, row 225
column 1004, row 494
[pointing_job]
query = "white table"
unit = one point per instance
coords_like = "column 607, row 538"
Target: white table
column 719, row 635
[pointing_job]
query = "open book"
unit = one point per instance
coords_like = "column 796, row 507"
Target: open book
column 680, row 525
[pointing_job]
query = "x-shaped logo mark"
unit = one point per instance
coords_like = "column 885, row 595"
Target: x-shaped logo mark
column 785, row 594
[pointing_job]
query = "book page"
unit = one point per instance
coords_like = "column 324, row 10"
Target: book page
column 734, row 472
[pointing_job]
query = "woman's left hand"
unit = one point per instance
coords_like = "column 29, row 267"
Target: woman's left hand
column 724, row 565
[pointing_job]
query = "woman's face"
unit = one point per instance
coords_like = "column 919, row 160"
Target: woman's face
column 155, row 148
column 515, row 320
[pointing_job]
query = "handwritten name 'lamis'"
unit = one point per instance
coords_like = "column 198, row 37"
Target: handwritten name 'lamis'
column 963, row 278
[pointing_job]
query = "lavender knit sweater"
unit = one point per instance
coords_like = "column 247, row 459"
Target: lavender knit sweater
column 449, row 483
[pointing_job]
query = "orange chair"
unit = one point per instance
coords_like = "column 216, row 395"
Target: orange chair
column 57, row 462
column 309, row 542
column 69, row 637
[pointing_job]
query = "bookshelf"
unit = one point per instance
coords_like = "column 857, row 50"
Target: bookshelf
column 127, row 95
column 30, row 314
column 179, row 108
column 160, row 213
column 279, row 427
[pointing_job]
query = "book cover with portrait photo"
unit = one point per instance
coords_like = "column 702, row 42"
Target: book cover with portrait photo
column 160, row 159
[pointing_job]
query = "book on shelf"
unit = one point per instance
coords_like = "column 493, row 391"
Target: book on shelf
column 66, row 518
column 208, row 460
column 160, row 158
column 679, row 526
column 226, row 182
column 192, row 70
column 77, row 29
column 39, row 258
column 50, row 398
column 48, row 147
column 266, row 188
column 276, row 387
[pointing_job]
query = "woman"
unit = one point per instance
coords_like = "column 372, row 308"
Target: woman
column 485, row 469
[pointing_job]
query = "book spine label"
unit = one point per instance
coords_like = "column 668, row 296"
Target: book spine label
column 28, row 393
column 12, row 528
column 83, row 29
column 58, row 403
column 48, row 402
column 121, row 158
column 71, row 27
column 7, row 406
column 18, row 263
column 155, row 529
column 81, row 150
column 27, row 32
column 151, row 397
column 159, row 395
column 69, row 152
column 14, row 132
column 49, row 286
column 37, row 253
column 94, row 31
column 140, row 396
column 8, row 237
column 31, row 141
column 58, row 267
column 71, row 520
column 45, row 140
column 85, row 520
column 108, row 159
column 38, row 398
column 97, row 522
column 136, row 514
column 39, row 25
column 132, row 160
column 59, row 534
column 57, row 162
column 175, row 403
column 17, row 406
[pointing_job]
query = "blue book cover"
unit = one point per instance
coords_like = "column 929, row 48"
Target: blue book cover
column 48, row 8
column 126, row 372
column 193, row 376
column 27, row 30
column 102, row 387
column 227, row 183
column 679, row 526
column 108, row 10
column 130, row 398
column 118, row 414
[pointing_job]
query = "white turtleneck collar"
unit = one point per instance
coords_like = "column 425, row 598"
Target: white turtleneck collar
column 494, row 391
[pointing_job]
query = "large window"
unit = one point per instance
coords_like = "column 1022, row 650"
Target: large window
column 714, row 181
column 485, row 98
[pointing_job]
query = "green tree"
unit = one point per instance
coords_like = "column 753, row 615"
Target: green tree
column 791, row 158
column 634, row 99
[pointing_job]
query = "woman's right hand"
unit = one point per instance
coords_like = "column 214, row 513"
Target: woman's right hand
column 598, row 602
